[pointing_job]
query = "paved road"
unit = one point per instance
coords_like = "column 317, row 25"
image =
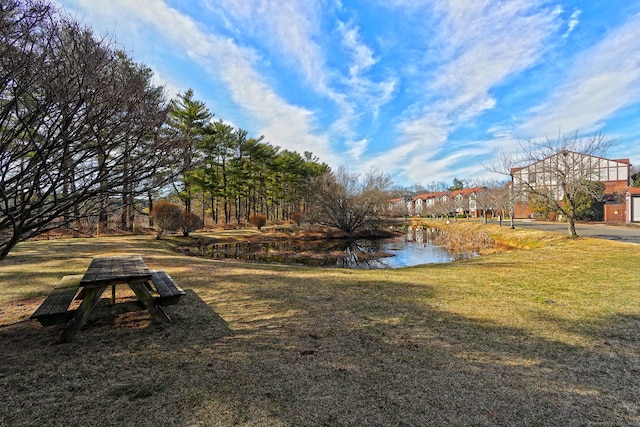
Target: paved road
column 600, row 231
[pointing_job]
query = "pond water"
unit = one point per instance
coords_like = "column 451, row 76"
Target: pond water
column 414, row 247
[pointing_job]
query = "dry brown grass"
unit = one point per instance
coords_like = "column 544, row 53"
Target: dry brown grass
column 548, row 335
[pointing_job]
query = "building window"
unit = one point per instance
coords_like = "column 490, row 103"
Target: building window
column 532, row 177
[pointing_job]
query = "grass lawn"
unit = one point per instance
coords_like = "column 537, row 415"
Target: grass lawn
column 544, row 335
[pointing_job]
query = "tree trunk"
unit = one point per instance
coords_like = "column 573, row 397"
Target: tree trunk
column 150, row 209
column 203, row 210
column 571, row 219
column 572, row 228
column 132, row 212
column 6, row 246
column 214, row 209
column 187, row 200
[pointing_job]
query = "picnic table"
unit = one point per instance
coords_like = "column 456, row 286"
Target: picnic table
column 103, row 272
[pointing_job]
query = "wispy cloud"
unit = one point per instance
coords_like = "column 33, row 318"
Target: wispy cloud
column 289, row 29
column 423, row 89
column 362, row 55
column 573, row 22
column 289, row 126
column 363, row 90
column 481, row 44
column 357, row 148
column 603, row 80
column 420, row 140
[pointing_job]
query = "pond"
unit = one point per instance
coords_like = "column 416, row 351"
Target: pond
column 413, row 247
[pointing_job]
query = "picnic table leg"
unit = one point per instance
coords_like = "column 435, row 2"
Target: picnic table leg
column 143, row 294
column 82, row 314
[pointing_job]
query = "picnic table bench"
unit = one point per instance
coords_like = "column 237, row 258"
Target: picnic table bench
column 168, row 290
column 104, row 272
column 54, row 309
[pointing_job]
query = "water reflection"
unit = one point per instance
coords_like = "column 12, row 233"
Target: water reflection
column 412, row 248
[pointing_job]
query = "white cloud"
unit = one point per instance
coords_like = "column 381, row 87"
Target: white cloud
column 481, row 44
column 363, row 93
column 487, row 42
column 574, row 20
column 288, row 26
column 357, row 148
column 288, row 126
column 402, row 95
column 603, row 80
column 362, row 55
column 420, row 140
column 291, row 30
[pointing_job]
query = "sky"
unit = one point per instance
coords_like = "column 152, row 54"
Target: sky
column 423, row 90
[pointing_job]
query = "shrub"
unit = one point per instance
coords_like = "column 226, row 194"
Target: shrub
column 589, row 203
column 259, row 220
column 297, row 217
column 166, row 216
column 190, row 222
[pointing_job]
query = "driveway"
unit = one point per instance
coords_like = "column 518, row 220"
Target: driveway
column 620, row 233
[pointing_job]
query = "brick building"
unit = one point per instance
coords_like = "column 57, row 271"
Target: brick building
column 559, row 169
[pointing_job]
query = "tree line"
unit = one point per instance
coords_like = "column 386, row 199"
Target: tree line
column 232, row 176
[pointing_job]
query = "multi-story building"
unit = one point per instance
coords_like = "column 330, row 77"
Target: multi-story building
column 555, row 172
column 425, row 204
column 461, row 202
column 465, row 201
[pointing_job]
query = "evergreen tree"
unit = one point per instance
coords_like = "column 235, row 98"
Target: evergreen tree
column 187, row 119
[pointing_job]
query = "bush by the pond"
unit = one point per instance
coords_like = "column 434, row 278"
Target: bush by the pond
column 259, row 220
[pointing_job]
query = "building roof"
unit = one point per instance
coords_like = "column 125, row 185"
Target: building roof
column 430, row 195
column 467, row 191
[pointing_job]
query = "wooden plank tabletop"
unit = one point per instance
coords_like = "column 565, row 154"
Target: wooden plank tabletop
column 116, row 269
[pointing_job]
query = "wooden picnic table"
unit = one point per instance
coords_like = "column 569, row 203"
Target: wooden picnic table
column 103, row 272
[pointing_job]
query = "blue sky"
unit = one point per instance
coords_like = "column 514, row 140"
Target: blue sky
column 423, row 90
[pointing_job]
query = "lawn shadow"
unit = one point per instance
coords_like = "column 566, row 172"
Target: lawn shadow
column 74, row 383
column 354, row 358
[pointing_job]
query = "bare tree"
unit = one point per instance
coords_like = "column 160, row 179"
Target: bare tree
column 448, row 206
column 349, row 202
column 79, row 123
column 495, row 197
column 557, row 171
column 441, row 207
column 485, row 201
column 503, row 202
column 430, row 210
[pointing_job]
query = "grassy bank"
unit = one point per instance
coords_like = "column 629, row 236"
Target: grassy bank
column 548, row 334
